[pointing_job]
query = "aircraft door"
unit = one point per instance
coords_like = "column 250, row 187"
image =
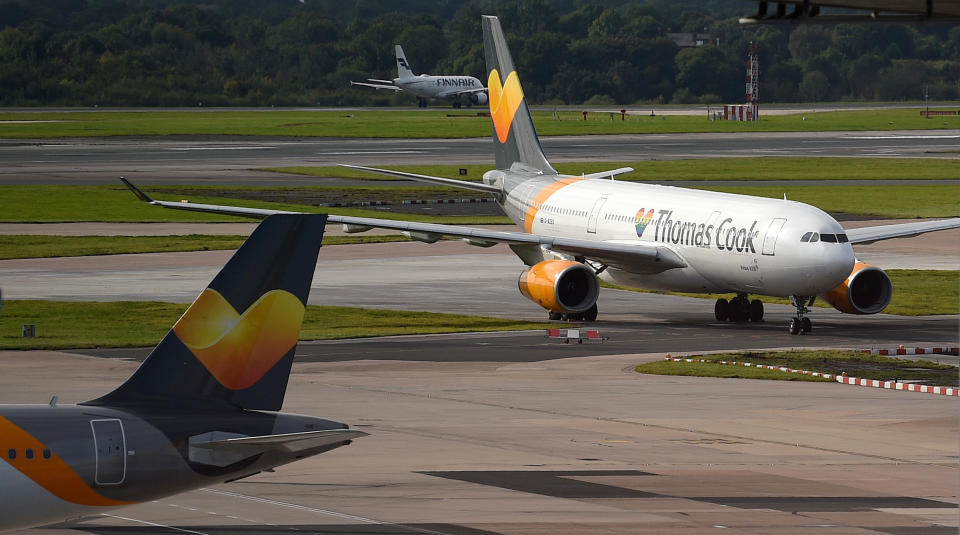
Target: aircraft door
column 111, row 451
column 770, row 240
column 595, row 214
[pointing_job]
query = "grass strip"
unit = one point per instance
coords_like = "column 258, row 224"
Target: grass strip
column 43, row 246
column 916, row 292
column 852, row 363
column 694, row 169
column 64, row 325
column 58, row 204
column 435, row 123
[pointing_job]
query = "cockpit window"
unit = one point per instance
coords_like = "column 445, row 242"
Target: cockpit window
column 842, row 238
column 806, row 237
column 814, row 238
column 831, row 238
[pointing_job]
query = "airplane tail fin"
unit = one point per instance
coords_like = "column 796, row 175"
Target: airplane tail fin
column 403, row 67
column 235, row 344
column 514, row 137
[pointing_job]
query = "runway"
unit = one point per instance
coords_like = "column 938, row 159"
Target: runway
column 561, row 446
column 231, row 160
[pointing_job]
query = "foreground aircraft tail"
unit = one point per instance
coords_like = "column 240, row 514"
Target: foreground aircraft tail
column 514, row 137
column 234, row 346
column 403, row 67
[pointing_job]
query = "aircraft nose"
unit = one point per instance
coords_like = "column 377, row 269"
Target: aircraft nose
column 836, row 264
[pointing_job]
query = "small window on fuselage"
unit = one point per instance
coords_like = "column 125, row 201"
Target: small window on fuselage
column 11, row 454
column 46, row 453
column 29, row 453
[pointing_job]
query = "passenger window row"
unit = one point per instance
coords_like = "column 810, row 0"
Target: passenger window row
column 813, row 237
column 615, row 217
column 28, row 453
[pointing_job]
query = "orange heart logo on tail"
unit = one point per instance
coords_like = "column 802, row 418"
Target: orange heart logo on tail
column 504, row 101
column 239, row 349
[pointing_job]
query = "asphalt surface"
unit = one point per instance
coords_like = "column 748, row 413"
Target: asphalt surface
column 230, row 160
column 565, row 446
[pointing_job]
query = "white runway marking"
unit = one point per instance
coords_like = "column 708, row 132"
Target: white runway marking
column 219, row 148
column 918, row 136
column 155, row 524
column 322, row 511
column 361, row 152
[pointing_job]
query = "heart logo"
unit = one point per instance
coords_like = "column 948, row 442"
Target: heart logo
column 239, row 349
column 504, row 100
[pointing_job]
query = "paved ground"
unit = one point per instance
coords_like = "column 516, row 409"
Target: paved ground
column 562, row 446
column 220, row 160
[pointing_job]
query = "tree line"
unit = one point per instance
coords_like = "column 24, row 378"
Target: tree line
column 263, row 53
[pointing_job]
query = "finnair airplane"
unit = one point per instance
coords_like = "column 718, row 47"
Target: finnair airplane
column 201, row 410
column 579, row 229
column 427, row 87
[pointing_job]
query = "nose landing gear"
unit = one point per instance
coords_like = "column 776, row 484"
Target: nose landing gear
column 740, row 308
column 801, row 323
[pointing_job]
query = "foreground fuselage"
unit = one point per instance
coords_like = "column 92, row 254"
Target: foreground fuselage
column 71, row 461
column 731, row 243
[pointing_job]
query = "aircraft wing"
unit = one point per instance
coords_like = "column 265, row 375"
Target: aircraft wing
column 467, row 91
column 223, row 449
column 901, row 230
column 876, row 10
column 632, row 257
column 377, row 85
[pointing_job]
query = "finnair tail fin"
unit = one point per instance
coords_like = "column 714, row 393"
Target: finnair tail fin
column 403, row 67
column 514, row 137
column 235, row 344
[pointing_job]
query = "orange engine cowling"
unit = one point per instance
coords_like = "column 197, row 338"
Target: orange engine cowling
column 560, row 286
column 866, row 291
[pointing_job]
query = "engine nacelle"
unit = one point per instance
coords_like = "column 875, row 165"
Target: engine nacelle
column 560, row 286
column 866, row 291
column 478, row 98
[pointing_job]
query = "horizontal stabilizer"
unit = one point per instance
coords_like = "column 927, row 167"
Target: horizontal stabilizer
column 609, row 174
column 475, row 186
column 224, row 449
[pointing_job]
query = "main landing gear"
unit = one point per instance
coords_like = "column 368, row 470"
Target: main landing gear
column 801, row 323
column 740, row 308
column 588, row 315
column 421, row 102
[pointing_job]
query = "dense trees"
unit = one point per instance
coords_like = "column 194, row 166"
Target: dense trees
column 252, row 52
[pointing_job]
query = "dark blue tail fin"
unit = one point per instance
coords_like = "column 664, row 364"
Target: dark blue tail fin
column 235, row 344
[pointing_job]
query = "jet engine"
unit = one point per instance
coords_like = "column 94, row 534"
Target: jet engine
column 866, row 291
column 560, row 286
column 478, row 98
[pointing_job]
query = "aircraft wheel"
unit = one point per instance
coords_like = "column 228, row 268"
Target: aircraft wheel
column 739, row 312
column 805, row 325
column 794, row 326
column 756, row 310
column 591, row 313
column 721, row 310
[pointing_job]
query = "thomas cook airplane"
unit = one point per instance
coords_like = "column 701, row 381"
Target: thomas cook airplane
column 427, row 87
column 200, row 410
column 579, row 228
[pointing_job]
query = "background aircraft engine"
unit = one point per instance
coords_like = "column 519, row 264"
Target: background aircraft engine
column 478, row 98
column 866, row 291
column 560, row 286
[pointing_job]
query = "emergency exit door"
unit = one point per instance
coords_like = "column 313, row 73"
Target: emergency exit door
column 111, row 451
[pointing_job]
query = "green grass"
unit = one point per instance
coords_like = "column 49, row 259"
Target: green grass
column 900, row 202
column 855, row 364
column 65, row 325
column 49, row 204
column 428, row 123
column 694, row 169
column 54, row 204
column 43, row 246
column 916, row 292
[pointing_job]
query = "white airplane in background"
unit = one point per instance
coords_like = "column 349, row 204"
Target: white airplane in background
column 577, row 229
column 427, row 87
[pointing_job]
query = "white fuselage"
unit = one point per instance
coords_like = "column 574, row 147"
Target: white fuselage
column 731, row 243
column 427, row 86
